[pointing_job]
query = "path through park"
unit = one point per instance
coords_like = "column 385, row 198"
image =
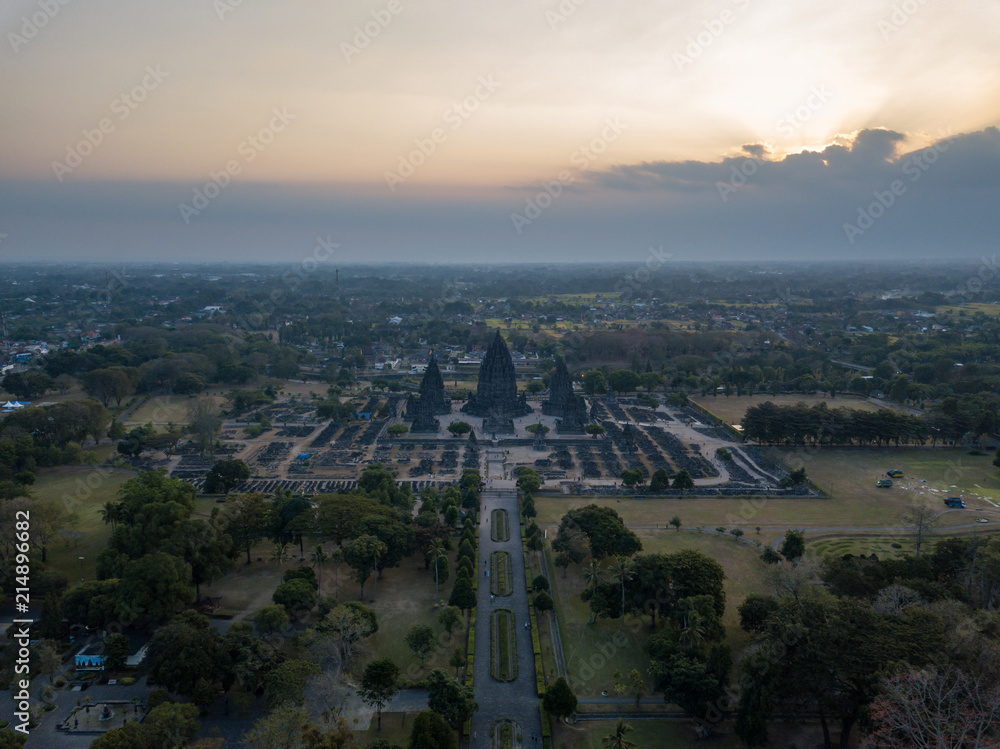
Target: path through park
column 515, row 700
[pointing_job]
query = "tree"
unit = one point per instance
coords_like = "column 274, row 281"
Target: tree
column 528, row 480
column 397, row 430
column 170, row 725
column 421, row 641
column 247, row 518
column 755, row 611
column 604, row 529
column 379, row 684
column 156, row 586
column 116, row 650
column 318, row 558
column 184, row 650
column 271, row 619
column 449, row 618
column 617, row 739
column 362, row 555
column 295, row 595
column 129, row 736
column 770, row 556
column 225, row 475
column 594, row 430
column 559, row 699
column 286, row 682
column 660, row 480
column 528, row 506
column 637, row 685
column 46, row 658
column 458, row 428
column 28, row 385
column 620, row 570
column 206, row 547
column 794, row 546
column 632, row 477
column 571, row 546
column 676, row 522
column 542, row 601
column 204, row 423
column 281, row 728
column 683, row 480
column 431, row 731
column 453, row 701
column 593, row 382
column 623, row 380
column 540, row 583
column 935, row 708
column 107, row 384
column 924, row 521
column 348, row 623
column 462, row 595
column 457, row 660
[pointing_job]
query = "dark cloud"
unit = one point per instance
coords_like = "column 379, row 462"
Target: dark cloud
column 750, row 207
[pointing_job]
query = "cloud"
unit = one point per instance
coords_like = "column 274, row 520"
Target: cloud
column 752, row 206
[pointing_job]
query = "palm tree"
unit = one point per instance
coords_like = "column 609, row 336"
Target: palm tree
column 111, row 513
column 280, row 554
column 620, row 570
column 337, row 556
column 436, row 549
column 617, row 740
column 593, row 575
column 318, row 558
column 693, row 632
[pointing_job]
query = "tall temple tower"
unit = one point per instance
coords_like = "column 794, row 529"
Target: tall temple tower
column 496, row 398
column 563, row 403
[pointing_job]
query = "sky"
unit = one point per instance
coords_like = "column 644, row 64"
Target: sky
column 548, row 130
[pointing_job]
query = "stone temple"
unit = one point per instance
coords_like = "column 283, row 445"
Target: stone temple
column 496, row 399
column 432, row 388
column 564, row 404
column 432, row 401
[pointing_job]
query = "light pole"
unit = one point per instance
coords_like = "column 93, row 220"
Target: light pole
column 81, row 568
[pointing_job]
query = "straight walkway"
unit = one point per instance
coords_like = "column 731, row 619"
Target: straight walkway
column 517, row 699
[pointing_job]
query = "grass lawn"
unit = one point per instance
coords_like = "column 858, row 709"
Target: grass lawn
column 82, row 490
column 396, row 729
column 405, row 598
column 594, row 651
column 677, row 734
column 731, row 409
column 646, row 734
column 847, row 474
column 170, row 409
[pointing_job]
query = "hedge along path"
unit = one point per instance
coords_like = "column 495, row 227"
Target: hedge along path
column 501, row 576
column 500, row 526
column 504, row 651
column 507, row 735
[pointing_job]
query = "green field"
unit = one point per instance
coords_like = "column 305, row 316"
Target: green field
column 82, row 491
column 593, row 651
column 677, row 734
column 169, row 409
column 847, row 474
column 731, row 409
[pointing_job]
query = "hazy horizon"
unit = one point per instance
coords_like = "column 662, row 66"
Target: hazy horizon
column 737, row 130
